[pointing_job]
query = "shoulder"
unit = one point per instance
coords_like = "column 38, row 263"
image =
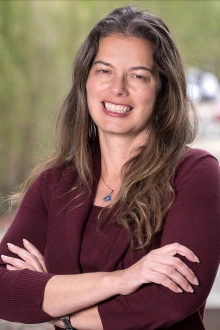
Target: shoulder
column 198, row 163
column 55, row 174
column 193, row 157
column 47, row 183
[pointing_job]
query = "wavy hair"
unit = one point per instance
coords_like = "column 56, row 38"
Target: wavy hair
column 147, row 191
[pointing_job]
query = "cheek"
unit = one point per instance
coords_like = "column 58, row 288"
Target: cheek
column 89, row 88
column 92, row 88
column 148, row 97
column 92, row 92
column 152, row 94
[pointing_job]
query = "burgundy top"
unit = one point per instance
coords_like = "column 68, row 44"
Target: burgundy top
column 90, row 243
column 54, row 221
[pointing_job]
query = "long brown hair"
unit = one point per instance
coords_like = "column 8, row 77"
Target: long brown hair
column 147, row 176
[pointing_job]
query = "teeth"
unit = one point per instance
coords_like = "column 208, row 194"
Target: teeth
column 116, row 108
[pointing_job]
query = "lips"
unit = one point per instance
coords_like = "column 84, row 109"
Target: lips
column 117, row 108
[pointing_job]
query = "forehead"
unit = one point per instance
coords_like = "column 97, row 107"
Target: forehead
column 126, row 49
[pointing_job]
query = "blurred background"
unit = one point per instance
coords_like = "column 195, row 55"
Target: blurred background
column 38, row 40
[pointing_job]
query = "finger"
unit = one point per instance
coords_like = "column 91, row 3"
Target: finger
column 173, row 275
column 22, row 253
column 176, row 264
column 17, row 263
column 9, row 267
column 34, row 251
column 174, row 248
column 26, row 256
column 164, row 281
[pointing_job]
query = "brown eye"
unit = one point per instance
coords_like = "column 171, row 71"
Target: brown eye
column 138, row 76
column 103, row 71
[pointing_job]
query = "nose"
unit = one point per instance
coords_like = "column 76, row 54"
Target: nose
column 118, row 86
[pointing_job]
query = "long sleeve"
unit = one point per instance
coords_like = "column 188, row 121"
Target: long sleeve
column 21, row 292
column 194, row 221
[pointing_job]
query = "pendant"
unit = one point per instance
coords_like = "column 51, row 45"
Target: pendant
column 108, row 197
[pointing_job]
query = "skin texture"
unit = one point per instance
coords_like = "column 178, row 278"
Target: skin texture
column 113, row 78
column 123, row 73
column 158, row 266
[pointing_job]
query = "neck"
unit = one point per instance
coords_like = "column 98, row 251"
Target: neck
column 115, row 152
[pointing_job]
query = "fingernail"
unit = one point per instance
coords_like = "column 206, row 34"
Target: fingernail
column 197, row 259
column 25, row 240
column 10, row 244
column 196, row 281
column 180, row 290
column 3, row 256
column 190, row 289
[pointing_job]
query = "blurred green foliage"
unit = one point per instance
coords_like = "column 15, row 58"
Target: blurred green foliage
column 38, row 40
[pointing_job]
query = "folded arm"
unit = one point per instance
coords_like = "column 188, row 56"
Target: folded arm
column 193, row 221
column 152, row 305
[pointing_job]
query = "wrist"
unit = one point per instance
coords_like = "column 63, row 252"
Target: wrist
column 67, row 322
column 87, row 319
column 112, row 282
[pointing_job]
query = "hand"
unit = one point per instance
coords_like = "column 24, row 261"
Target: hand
column 31, row 259
column 30, row 255
column 158, row 266
column 162, row 267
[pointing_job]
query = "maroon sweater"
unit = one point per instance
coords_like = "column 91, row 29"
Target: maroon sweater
column 54, row 222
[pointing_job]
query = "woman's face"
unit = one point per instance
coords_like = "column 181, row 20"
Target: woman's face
column 122, row 86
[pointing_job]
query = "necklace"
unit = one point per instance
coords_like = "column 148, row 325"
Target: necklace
column 107, row 198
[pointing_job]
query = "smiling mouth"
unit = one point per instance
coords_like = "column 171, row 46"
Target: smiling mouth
column 116, row 108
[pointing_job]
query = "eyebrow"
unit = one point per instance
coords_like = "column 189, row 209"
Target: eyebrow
column 140, row 67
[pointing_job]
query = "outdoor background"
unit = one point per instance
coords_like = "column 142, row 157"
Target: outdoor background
column 38, row 40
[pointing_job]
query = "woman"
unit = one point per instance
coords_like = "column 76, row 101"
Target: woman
column 124, row 217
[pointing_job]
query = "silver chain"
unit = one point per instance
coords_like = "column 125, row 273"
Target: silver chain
column 108, row 186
